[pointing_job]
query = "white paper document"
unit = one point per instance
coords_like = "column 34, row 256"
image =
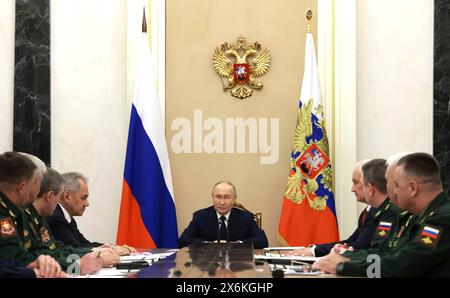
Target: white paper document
column 107, row 273
column 145, row 256
column 122, row 273
column 296, row 270
column 277, row 256
column 283, row 248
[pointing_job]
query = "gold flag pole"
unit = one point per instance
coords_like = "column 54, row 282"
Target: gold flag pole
column 144, row 25
column 144, row 21
column 309, row 17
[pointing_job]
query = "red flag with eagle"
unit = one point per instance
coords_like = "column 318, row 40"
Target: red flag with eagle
column 308, row 214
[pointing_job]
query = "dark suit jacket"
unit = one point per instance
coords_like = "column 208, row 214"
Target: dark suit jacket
column 361, row 237
column 67, row 233
column 13, row 269
column 241, row 226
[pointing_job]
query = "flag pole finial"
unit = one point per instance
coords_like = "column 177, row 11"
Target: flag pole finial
column 309, row 17
column 144, row 22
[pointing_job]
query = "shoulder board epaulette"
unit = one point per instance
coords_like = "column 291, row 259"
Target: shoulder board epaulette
column 2, row 204
column 427, row 217
column 388, row 205
column 409, row 219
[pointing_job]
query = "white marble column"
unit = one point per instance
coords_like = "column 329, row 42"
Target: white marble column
column 7, row 14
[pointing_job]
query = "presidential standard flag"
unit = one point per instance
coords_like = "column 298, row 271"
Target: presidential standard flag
column 147, row 212
column 308, row 213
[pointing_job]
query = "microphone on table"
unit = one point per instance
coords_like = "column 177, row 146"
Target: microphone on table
column 278, row 273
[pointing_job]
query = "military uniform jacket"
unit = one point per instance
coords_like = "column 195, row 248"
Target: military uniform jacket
column 15, row 238
column 420, row 247
column 42, row 236
column 386, row 220
column 387, row 217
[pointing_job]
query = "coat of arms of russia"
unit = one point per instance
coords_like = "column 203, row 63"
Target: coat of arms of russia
column 240, row 63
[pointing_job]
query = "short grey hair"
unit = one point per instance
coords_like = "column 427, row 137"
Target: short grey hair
column 52, row 181
column 394, row 158
column 72, row 181
column 41, row 167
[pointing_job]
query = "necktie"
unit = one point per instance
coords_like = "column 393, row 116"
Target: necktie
column 223, row 235
column 73, row 224
column 363, row 216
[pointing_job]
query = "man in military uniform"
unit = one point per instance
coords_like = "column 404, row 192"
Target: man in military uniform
column 421, row 246
column 19, row 185
column 385, row 232
column 44, row 205
column 369, row 186
column 386, row 213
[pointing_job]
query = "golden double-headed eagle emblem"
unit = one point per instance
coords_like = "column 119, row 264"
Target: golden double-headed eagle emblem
column 240, row 63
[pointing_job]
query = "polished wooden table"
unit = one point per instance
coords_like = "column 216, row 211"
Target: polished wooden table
column 212, row 260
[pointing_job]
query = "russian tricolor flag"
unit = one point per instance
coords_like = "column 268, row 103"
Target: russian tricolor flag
column 385, row 226
column 430, row 232
column 147, row 213
column 308, row 213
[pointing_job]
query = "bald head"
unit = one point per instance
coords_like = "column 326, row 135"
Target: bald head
column 357, row 183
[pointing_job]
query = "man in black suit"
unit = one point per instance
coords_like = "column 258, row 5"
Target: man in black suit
column 222, row 222
column 73, row 202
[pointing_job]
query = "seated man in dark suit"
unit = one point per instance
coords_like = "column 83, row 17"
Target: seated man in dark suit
column 73, row 202
column 369, row 186
column 223, row 222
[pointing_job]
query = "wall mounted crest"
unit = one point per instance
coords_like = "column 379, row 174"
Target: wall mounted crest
column 240, row 62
